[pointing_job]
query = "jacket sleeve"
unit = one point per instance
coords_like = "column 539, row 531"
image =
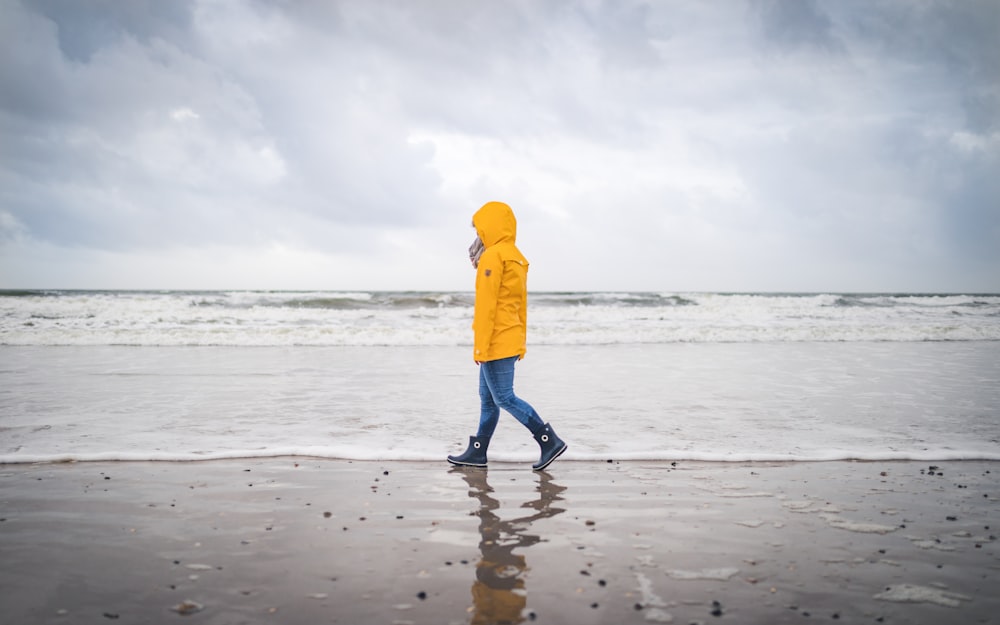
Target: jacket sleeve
column 524, row 310
column 488, row 277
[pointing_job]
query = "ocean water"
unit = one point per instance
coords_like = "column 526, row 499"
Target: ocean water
column 185, row 376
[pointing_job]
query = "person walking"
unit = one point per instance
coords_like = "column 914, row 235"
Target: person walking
column 499, row 326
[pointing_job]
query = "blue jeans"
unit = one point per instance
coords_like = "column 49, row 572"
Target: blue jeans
column 496, row 391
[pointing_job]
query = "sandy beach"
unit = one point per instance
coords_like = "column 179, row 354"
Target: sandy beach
column 303, row 540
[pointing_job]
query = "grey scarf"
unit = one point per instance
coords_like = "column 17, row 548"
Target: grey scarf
column 475, row 251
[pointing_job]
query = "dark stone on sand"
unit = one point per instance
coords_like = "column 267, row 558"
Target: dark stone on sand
column 421, row 595
column 327, row 515
column 111, row 615
column 601, row 582
column 637, row 606
column 594, row 605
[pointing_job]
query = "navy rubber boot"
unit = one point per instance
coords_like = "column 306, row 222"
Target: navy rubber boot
column 475, row 455
column 552, row 447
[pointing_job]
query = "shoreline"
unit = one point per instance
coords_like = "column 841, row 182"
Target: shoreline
column 306, row 540
column 497, row 459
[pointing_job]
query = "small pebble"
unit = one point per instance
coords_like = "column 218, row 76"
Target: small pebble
column 187, row 607
column 421, row 595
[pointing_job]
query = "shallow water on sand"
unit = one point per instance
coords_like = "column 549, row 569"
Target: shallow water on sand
column 713, row 401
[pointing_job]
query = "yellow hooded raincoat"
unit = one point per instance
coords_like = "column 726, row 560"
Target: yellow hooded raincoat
column 500, row 320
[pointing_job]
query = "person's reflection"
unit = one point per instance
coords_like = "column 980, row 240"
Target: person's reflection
column 498, row 594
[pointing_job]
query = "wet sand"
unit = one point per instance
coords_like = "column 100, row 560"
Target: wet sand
column 303, row 540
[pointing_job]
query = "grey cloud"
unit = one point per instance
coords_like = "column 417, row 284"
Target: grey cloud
column 132, row 140
column 86, row 27
column 945, row 45
column 148, row 125
column 797, row 24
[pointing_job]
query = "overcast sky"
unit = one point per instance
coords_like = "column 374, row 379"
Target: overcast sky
column 772, row 145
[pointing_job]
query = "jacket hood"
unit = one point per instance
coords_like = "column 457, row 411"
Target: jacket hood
column 495, row 223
